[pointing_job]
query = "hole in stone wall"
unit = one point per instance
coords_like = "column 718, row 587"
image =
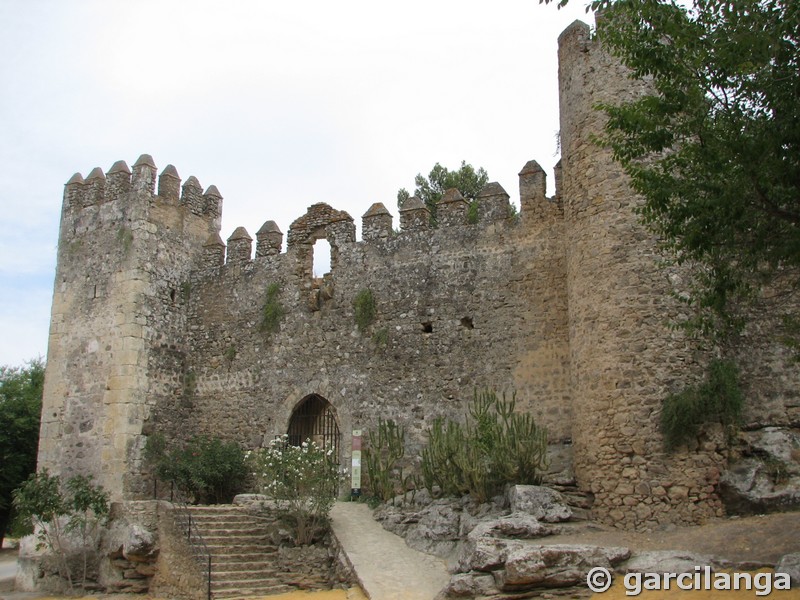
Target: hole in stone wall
column 322, row 258
column 467, row 322
column 172, row 296
column 427, row 327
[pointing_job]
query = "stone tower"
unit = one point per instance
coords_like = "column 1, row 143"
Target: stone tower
column 623, row 357
column 124, row 253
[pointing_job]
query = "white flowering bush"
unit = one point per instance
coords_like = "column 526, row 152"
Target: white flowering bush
column 302, row 481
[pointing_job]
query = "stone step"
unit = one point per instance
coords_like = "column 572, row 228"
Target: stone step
column 243, row 565
column 263, row 573
column 243, row 558
column 243, row 584
column 223, row 549
column 244, row 538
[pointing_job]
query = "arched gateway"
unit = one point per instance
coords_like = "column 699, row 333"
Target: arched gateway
column 314, row 419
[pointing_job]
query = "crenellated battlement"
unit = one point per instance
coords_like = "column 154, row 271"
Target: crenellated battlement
column 121, row 183
column 322, row 221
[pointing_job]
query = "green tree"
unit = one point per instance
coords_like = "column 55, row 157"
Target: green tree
column 430, row 189
column 20, row 410
column 714, row 147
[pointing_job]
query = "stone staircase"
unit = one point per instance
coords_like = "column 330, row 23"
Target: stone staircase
column 242, row 556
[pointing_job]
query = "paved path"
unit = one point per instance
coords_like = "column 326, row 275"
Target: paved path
column 387, row 569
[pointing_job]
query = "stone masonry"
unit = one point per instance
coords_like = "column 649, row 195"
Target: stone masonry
column 157, row 323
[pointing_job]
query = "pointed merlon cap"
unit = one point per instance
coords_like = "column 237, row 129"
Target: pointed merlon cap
column 451, row 195
column 577, row 28
column 119, row 167
column 170, row 171
column 413, row 203
column 240, row 233
column 214, row 240
column 192, row 182
column 145, row 160
column 269, row 227
column 493, row 189
column 97, row 173
column 377, row 209
column 531, row 167
column 77, row 178
column 213, row 191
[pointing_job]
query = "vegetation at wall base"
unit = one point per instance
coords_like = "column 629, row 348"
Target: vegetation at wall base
column 206, row 470
column 496, row 446
column 302, row 480
column 717, row 399
column 20, row 411
column 385, row 447
column 56, row 508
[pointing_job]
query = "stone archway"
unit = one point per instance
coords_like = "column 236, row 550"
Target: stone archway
column 315, row 419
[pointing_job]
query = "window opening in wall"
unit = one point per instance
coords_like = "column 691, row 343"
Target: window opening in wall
column 322, row 258
column 427, row 327
column 94, row 292
column 467, row 322
column 172, row 296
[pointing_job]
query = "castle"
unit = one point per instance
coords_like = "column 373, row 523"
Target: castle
column 157, row 324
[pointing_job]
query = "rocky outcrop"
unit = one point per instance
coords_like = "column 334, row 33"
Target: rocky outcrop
column 766, row 476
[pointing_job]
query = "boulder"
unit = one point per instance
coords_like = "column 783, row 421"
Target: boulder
column 516, row 525
column 670, row 561
column 558, row 565
column 790, row 564
column 538, row 501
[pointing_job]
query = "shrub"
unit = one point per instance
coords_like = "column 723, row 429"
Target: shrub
column 302, row 480
column 495, row 447
column 272, row 311
column 206, row 470
column 365, row 309
column 42, row 501
column 717, row 399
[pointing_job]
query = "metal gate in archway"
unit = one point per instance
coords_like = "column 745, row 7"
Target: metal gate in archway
column 314, row 420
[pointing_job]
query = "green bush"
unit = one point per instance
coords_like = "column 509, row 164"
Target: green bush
column 272, row 310
column 207, row 470
column 44, row 502
column 302, row 480
column 365, row 309
column 717, row 399
column 495, row 447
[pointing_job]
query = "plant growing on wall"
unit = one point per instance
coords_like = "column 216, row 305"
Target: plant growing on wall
column 272, row 310
column 302, row 481
column 385, row 447
column 496, row 446
column 717, row 399
column 55, row 510
column 364, row 308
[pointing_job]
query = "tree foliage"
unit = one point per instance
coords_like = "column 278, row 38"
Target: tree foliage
column 20, row 409
column 430, row 189
column 714, row 147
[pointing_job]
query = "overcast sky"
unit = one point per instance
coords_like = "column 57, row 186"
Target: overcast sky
column 280, row 105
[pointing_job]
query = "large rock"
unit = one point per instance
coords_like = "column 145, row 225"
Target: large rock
column 790, row 564
column 555, row 566
column 767, row 477
column 538, row 501
column 437, row 529
column 516, row 525
column 670, row 561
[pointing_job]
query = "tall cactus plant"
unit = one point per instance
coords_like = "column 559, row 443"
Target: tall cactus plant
column 385, row 447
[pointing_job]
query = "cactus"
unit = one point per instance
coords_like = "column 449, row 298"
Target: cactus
column 495, row 447
column 384, row 448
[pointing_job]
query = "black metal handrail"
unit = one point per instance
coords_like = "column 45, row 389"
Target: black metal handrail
column 197, row 545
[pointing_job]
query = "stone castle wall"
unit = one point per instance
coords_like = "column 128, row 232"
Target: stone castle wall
column 156, row 322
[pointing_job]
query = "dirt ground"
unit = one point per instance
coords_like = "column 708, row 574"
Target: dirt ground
column 759, row 540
